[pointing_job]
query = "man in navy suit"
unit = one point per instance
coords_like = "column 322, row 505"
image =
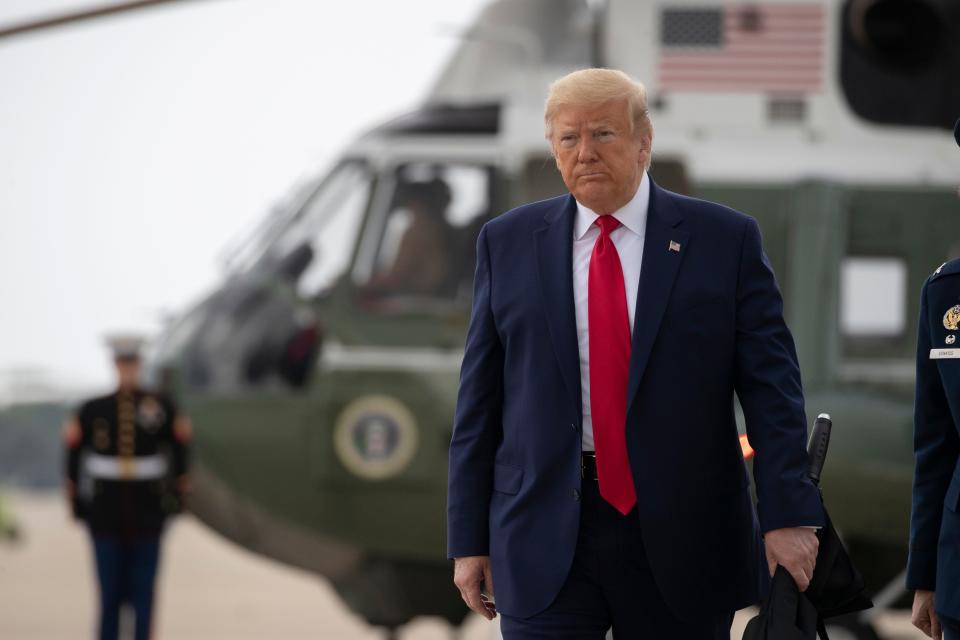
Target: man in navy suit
column 596, row 477
column 933, row 568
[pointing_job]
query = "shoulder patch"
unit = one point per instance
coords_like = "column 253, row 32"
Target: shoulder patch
column 948, row 268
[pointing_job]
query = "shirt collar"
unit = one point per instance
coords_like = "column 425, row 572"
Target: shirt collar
column 632, row 215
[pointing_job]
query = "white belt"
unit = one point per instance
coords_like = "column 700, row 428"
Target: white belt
column 136, row 468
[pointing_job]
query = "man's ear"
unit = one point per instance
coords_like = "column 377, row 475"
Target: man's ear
column 646, row 141
column 646, row 145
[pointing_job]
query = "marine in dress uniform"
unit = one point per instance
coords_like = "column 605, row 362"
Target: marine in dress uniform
column 933, row 569
column 127, row 457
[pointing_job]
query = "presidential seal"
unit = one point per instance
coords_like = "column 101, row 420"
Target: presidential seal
column 375, row 437
column 951, row 319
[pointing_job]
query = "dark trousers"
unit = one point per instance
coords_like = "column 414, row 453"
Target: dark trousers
column 126, row 572
column 951, row 627
column 610, row 585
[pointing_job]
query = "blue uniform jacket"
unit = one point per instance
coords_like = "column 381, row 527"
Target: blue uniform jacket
column 709, row 322
column 934, row 562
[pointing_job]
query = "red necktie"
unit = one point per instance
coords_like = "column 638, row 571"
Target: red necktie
column 609, row 327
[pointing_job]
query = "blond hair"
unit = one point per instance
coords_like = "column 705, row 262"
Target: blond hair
column 588, row 88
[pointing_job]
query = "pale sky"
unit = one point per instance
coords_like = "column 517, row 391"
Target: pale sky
column 135, row 149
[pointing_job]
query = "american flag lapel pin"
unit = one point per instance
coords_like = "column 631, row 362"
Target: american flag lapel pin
column 674, row 246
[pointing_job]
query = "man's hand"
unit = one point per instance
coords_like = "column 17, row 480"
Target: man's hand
column 469, row 573
column 795, row 549
column 924, row 617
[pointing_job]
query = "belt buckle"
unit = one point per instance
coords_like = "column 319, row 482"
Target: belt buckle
column 128, row 468
column 583, row 466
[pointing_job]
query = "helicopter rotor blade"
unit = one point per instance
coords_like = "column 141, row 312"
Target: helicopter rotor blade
column 41, row 24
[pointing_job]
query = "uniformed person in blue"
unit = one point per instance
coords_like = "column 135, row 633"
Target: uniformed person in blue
column 933, row 569
column 127, row 456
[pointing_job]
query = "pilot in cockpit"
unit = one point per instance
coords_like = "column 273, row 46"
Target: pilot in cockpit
column 415, row 255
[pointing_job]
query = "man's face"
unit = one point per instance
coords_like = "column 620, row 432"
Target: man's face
column 128, row 371
column 600, row 158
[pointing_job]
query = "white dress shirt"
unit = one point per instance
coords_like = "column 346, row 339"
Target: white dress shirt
column 628, row 239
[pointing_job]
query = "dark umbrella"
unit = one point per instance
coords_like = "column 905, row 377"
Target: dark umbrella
column 836, row 587
column 786, row 614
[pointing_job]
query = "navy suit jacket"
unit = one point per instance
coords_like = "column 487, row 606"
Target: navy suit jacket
column 934, row 562
column 708, row 323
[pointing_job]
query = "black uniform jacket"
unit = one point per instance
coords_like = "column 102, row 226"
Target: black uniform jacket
column 934, row 562
column 127, row 433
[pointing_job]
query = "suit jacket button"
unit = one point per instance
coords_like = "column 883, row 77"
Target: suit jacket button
column 573, row 426
column 576, row 495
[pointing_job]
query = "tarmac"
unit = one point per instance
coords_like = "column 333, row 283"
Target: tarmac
column 209, row 589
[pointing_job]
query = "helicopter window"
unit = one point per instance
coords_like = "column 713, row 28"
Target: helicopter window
column 316, row 247
column 895, row 237
column 873, row 293
column 426, row 240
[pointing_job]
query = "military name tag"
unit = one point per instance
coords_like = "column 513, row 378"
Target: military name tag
column 942, row 354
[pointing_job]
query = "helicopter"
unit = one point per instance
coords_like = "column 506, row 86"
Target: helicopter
column 315, row 350
column 321, row 373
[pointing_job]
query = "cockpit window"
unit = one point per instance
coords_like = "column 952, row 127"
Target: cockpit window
column 316, row 247
column 425, row 241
